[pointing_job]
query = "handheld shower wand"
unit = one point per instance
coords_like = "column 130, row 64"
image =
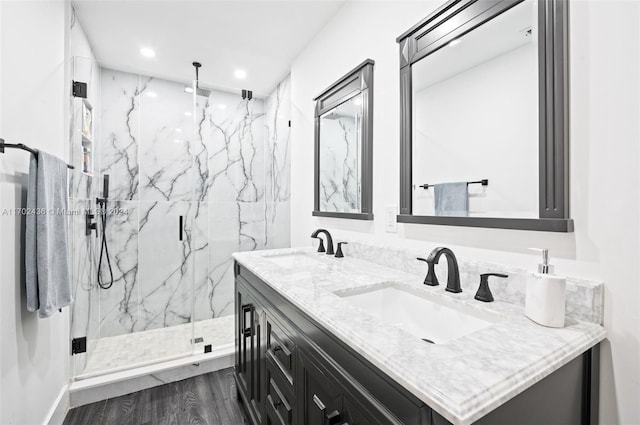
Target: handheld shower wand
column 104, row 248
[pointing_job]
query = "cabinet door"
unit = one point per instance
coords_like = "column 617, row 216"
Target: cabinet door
column 258, row 379
column 250, row 358
column 320, row 399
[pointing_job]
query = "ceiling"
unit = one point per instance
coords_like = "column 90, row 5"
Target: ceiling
column 261, row 37
column 502, row 34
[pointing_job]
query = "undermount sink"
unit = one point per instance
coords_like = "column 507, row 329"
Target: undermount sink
column 433, row 320
column 293, row 260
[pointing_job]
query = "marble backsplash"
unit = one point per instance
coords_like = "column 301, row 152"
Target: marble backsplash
column 585, row 298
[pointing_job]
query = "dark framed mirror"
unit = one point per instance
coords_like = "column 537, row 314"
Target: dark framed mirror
column 343, row 146
column 484, row 116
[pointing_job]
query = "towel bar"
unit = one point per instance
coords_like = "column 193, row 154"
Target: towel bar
column 24, row 147
column 484, row 182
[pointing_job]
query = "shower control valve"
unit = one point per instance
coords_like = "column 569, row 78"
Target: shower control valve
column 90, row 224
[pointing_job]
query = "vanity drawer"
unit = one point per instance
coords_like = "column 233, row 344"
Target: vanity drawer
column 281, row 349
column 280, row 403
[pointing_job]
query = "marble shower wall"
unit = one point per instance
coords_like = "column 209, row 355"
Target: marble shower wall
column 339, row 158
column 223, row 165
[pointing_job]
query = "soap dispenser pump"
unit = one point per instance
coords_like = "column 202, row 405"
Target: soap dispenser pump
column 546, row 295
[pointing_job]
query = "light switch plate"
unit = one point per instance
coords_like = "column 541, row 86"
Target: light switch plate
column 390, row 212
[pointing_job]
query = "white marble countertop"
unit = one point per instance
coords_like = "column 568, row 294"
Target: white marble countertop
column 463, row 379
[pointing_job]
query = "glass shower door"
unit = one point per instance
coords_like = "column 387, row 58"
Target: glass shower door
column 166, row 230
column 144, row 142
column 84, row 127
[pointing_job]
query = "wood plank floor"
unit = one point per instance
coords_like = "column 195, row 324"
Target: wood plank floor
column 203, row 400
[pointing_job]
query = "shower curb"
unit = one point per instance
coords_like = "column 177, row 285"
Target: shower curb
column 116, row 384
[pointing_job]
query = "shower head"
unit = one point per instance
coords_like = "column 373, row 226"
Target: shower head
column 200, row 91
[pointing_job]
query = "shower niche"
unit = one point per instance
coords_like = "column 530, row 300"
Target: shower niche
column 86, row 133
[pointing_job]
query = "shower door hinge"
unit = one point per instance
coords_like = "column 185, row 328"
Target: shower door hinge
column 79, row 89
column 79, row 345
column 247, row 94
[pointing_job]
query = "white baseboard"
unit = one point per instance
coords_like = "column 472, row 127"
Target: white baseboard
column 116, row 384
column 59, row 408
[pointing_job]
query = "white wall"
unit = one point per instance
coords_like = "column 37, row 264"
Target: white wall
column 605, row 190
column 34, row 353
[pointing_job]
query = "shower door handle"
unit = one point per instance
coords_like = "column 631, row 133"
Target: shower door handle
column 181, row 225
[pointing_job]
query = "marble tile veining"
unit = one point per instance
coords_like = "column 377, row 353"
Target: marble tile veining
column 339, row 154
column 120, row 138
column 213, row 160
column 463, row 379
column 278, row 131
column 166, row 140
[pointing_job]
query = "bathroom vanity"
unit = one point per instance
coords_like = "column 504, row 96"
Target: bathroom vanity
column 314, row 345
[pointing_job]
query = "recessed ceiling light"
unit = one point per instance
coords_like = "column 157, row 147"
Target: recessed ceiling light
column 147, row 52
column 455, row 42
column 240, row 74
column 222, row 106
column 178, row 130
column 151, row 94
column 177, row 141
column 187, row 113
column 188, row 89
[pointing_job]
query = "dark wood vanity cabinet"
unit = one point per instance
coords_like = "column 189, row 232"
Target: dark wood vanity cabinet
column 292, row 371
column 283, row 372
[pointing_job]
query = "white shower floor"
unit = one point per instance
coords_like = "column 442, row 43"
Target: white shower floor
column 130, row 350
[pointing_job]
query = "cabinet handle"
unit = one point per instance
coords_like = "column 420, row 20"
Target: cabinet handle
column 333, row 418
column 246, row 331
column 276, row 349
column 318, row 402
column 181, row 225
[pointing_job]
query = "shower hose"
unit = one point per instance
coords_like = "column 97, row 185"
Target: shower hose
column 104, row 249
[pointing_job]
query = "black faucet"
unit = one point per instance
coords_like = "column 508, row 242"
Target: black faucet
column 453, row 275
column 329, row 241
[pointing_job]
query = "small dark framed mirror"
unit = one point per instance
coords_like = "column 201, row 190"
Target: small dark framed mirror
column 484, row 116
column 343, row 146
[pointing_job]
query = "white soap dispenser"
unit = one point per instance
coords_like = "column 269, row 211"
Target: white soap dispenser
column 545, row 296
